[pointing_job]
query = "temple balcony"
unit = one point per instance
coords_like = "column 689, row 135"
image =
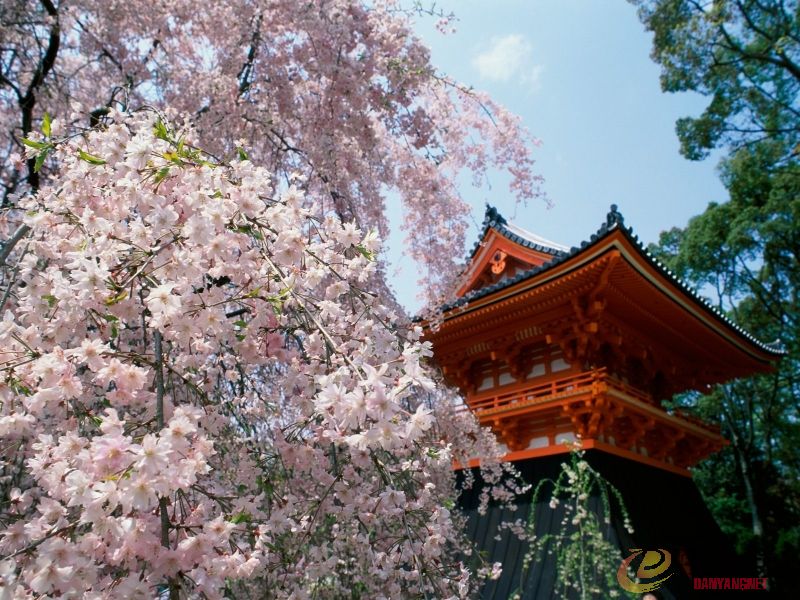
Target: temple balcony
column 540, row 417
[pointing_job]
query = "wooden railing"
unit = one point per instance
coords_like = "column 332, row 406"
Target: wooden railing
column 569, row 385
column 593, row 381
column 626, row 388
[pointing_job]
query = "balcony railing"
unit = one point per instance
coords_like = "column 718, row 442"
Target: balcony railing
column 576, row 384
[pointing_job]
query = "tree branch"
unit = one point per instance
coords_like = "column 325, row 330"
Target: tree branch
column 20, row 233
column 28, row 101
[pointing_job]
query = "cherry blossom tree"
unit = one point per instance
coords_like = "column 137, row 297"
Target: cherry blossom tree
column 206, row 390
column 339, row 90
column 204, row 397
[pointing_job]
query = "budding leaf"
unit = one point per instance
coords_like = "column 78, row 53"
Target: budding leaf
column 19, row 388
column 242, row 153
column 50, row 299
column 116, row 299
column 92, row 160
column 369, row 255
column 161, row 174
column 40, row 159
column 46, row 125
column 241, row 517
column 161, row 131
column 35, row 144
column 173, row 157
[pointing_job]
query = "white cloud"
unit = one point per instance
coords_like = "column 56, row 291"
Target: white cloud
column 509, row 57
column 533, row 77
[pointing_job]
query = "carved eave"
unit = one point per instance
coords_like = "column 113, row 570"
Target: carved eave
column 608, row 294
column 587, row 344
column 499, row 258
column 502, row 252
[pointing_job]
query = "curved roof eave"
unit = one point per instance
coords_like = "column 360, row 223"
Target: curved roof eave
column 614, row 221
column 494, row 220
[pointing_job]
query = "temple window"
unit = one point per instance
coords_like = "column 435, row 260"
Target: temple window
column 546, row 360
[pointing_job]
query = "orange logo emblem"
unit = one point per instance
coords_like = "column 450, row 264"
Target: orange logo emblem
column 654, row 563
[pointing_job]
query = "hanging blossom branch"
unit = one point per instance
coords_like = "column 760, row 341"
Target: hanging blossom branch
column 586, row 560
column 201, row 398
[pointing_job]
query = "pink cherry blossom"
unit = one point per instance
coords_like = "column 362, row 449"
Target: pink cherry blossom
column 206, row 387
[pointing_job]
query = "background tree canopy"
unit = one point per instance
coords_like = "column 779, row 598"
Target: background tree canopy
column 743, row 252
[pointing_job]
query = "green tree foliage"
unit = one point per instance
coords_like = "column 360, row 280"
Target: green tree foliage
column 744, row 253
column 744, row 55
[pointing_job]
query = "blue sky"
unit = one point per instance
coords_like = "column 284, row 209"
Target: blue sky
column 579, row 74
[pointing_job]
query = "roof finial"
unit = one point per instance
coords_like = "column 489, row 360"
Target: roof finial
column 493, row 215
column 614, row 217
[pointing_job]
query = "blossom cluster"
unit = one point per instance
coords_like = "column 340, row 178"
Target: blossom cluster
column 342, row 91
column 199, row 395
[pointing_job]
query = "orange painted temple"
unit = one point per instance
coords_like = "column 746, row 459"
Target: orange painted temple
column 549, row 345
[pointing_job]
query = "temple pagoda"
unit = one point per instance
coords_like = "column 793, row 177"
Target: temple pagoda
column 549, row 345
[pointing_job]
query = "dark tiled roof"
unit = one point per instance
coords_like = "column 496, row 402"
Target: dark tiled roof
column 614, row 221
column 494, row 220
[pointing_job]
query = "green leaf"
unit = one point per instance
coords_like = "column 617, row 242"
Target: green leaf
column 241, row 517
column 37, row 165
column 242, row 154
column 35, row 144
column 19, row 387
column 116, row 299
column 161, row 174
column 253, row 293
column 46, row 125
column 161, row 130
column 268, row 487
column 51, row 300
column 370, row 256
column 241, row 323
column 173, row 157
column 94, row 160
column 111, row 318
column 276, row 303
column 249, row 230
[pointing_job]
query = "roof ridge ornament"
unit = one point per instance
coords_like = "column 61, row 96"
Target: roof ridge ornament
column 493, row 215
column 614, row 217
